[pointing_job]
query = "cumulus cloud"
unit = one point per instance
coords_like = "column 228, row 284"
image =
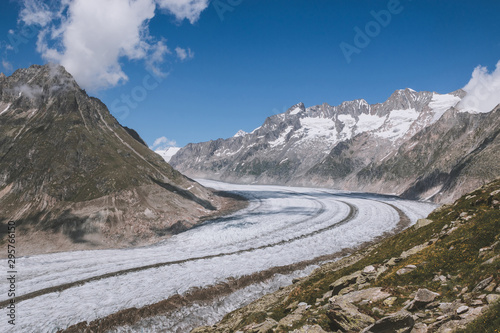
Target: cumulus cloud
column 184, row 54
column 483, row 90
column 160, row 50
column 35, row 12
column 184, row 9
column 163, row 143
column 90, row 38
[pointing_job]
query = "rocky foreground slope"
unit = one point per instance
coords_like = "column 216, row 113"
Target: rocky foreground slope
column 416, row 144
column 441, row 275
column 71, row 177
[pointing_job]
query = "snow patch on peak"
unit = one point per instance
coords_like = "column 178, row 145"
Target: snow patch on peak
column 442, row 103
column 6, row 109
column 368, row 122
column 282, row 138
column 240, row 133
column 362, row 102
column 314, row 128
column 255, row 130
column 297, row 110
column 397, row 124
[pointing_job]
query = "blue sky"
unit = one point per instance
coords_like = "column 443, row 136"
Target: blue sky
column 240, row 61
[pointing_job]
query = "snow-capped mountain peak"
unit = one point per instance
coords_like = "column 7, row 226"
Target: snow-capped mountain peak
column 293, row 147
column 240, row 133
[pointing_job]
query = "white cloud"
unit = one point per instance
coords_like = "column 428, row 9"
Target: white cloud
column 157, row 57
column 7, row 66
column 184, row 54
column 483, row 90
column 184, row 9
column 163, row 143
column 35, row 12
column 90, row 38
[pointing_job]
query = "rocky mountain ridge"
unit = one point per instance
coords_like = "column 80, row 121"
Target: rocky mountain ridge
column 404, row 146
column 72, row 177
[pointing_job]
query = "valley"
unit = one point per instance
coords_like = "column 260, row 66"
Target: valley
column 282, row 231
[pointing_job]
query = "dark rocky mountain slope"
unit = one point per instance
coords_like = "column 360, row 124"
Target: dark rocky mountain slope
column 72, row 177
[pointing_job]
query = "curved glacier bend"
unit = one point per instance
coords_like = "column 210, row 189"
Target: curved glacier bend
column 282, row 226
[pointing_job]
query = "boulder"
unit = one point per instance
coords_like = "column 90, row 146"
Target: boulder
column 483, row 284
column 309, row 329
column 295, row 316
column 370, row 295
column 400, row 322
column 345, row 316
column 422, row 223
column 419, row 328
column 344, row 282
column 492, row 298
column 369, row 270
column 491, row 260
column 422, row 298
column 393, row 261
column 264, row 327
column 425, row 296
column 390, row 301
column 407, row 269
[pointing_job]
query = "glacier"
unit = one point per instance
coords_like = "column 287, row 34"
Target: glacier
column 281, row 226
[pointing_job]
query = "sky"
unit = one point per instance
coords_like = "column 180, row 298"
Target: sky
column 181, row 71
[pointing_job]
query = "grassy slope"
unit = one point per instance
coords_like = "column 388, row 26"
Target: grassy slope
column 477, row 218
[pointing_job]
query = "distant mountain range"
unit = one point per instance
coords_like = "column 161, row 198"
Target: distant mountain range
column 72, row 177
column 416, row 144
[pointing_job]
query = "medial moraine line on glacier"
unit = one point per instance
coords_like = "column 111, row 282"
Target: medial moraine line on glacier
column 232, row 285
column 350, row 216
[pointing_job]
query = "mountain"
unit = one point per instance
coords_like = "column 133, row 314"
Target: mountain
column 167, row 153
column 71, row 177
column 415, row 144
column 440, row 275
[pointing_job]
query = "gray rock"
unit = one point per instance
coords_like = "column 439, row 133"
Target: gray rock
column 425, row 296
column 407, row 269
column 491, row 260
column 264, row 327
column 419, row 328
column 422, row 223
column 344, row 282
column 346, row 317
column 400, row 322
column 492, row 298
column 483, row 284
column 422, row 298
column 462, row 309
column 309, row 329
